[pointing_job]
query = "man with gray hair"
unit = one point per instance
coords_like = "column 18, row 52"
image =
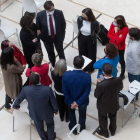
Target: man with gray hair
column 42, row 105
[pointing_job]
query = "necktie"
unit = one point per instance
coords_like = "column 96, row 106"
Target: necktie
column 51, row 27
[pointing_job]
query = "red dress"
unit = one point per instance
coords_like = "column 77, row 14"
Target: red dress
column 43, row 72
column 18, row 55
column 114, row 37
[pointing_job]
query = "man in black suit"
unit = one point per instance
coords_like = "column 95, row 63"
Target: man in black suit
column 41, row 104
column 52, row 25
column 107, row 94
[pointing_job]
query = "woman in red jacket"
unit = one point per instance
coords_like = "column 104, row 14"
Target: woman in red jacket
column 117, row 34
column 17, row 53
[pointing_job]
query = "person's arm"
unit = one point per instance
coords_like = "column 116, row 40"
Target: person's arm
column 121, row 84
column 28, row 72
column 19, row 99
column 38, row 22
column 63, row 26
column 66, row 92
column 109, row 34
column 86, row 92
column 53, row 101
column 98, row 64
column 97, row 92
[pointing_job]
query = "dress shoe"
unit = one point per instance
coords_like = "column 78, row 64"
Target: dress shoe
column 62, row 119
column 74, row 132
column 67, row 120
column 102, row 134
column 47, row 135
column 112, row 133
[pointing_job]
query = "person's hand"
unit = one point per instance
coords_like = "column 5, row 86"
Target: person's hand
column 56, row 113
column 24, row 66
column 98, row 80
column 74, row 105
column 116, row 29
column 120, row 35
column 34, row 40
column 15, row 59
column 38, row 32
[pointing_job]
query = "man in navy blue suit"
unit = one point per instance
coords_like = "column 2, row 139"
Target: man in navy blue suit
column 41, row 104
column 76, row 87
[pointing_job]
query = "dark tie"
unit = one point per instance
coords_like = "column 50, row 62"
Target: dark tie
column 51, row 27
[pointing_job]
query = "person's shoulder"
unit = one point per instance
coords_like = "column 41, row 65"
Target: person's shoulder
column 125, row 28
column 41, row 13
column 118, row 79
column 58, row 11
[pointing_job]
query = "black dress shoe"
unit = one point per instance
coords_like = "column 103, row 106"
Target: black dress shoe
column 62, row 119
column 74, row 132
column 67, row 120
column 112, row 133
column 47, row 135
column 102, row 134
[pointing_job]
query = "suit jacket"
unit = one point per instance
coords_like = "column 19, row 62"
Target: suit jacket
column 76, row 86
column 60, row 25
column 41, row 101
column 107, row 94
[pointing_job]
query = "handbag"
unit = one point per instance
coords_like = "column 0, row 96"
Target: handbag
column 27, row 81
column 125, row 98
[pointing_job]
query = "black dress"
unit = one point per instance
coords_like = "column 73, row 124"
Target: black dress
column 29, row 47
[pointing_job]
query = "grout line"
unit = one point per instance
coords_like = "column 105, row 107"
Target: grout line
column 3, row 3
column 99, row 12
column 100, row 137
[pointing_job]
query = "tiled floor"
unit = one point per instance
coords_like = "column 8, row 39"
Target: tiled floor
column 109, row 9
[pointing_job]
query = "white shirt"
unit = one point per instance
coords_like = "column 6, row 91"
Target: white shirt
column 86, row 28
column 48, row 23
column 108, row 77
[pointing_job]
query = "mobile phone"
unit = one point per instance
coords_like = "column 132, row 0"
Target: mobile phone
column 101, row 77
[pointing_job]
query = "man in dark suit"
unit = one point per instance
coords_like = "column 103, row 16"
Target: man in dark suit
column 76, row 86
column 52, row 25
column 42, row 105
column 107, row 94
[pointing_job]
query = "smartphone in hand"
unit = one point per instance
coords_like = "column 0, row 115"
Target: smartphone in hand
column 101, row 77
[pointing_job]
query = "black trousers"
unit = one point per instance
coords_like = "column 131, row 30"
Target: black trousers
column 40, row 129
column 87, row 48
column 7, row 101
column 63, row 108
column 103, row 121
column 49, row 45
column 122, row 62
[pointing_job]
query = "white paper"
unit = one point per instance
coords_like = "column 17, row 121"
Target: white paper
column 134, row 87
column 87, row 61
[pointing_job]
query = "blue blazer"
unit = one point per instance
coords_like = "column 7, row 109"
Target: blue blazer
column 113, row 62
column 76, row 86
column 41, row 101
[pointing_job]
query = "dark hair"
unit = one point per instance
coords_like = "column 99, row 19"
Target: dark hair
column 48, row 5
column 135, row 33
column 4, row 44
column 34, row 78
column 30, row 14
column 89, row 14
column 7, row 57
column 107, row 69
column 121, row 21
column 78, row 62
column 26, row 22
column 111, row 50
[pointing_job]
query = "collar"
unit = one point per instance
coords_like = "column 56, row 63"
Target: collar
column 108, row 77
column 77, row 69
column 50, row 13
column 39, row 84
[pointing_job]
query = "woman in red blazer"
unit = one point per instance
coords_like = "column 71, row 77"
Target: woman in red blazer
column 42, row 70
column 117, row 34
column 17, row 53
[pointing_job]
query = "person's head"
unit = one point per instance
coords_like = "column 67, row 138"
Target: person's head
column 111, row 50
column 30, row 14
column 26, row 22
column 5, row 44
column 78, row 62
column 88, row 15
column 37, row 59
column 60, row 67
column 34, row 78
column 134, row 34
column 7, row 57
column 107, row 69
column 120, row 21
column 49, row 6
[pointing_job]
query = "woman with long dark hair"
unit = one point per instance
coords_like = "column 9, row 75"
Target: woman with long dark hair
column 11, row 69
column 87, row 41
column 117, row 34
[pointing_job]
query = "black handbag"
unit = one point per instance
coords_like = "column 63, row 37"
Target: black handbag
column 27, row 81
column 125, row 98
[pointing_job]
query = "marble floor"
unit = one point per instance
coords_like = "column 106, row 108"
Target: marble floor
column 107, row 9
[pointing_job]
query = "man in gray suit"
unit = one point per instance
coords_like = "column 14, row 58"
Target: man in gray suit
column 42, row 105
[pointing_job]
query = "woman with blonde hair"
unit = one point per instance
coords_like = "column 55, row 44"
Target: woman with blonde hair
column 57, row 74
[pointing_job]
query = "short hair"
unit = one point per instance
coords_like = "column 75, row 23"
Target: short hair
column 34, row 78
column 135, row 33
column 26, row 22
column 48, row 5
column 4, row 44
column 60, row 67
column 37, row 59
column 78, row 62
column 111, row 50
column 107, row 69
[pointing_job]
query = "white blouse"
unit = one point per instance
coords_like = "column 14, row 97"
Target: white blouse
column 86, row 28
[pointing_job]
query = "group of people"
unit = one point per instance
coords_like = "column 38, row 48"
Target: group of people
column 71, row 88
